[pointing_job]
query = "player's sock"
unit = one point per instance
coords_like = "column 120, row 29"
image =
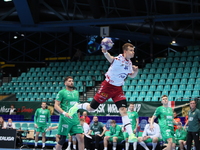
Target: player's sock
column 35, row 144
column 134, row 145
column 185, row 146
column 105, row 148
column 83, row 106
column 74, row 146
column 114, row 145
column 69, row 145
column 154, row 146
column 43, row 144
column 127, row 145
column 127, row 124
column 144, row 145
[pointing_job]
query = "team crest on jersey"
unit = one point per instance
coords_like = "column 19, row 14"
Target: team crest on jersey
column 65, row 126
column 104, row 94
column 126, row 67
column 122, row 75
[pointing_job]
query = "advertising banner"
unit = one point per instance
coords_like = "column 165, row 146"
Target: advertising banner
column 144, row 109
column 8, row 138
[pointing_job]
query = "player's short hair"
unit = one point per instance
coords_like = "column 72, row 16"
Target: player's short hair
column 194, row 101
column 44, row 102
column 68, row 77
column 164, row 96
column 126, row 45
column 113, row 121
column 131, row 104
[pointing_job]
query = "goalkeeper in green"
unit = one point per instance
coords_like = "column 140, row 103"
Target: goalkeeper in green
column 42, row 120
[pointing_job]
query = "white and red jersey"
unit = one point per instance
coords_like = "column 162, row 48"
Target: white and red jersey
column 119, row 70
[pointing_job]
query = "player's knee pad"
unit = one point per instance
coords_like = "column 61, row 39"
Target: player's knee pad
column 62, row 140
column 121, row 103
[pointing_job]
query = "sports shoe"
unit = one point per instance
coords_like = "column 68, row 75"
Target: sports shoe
column 68, row 148
column 43, row 148
column 73, row 110
column 132, row 138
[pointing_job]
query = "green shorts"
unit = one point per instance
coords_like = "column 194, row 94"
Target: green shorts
column 41, row 129
column 64, row 128
column 119, row 139
column 167, row 133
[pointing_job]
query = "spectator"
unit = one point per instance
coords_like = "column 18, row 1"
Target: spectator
column 115, row 135
column 12, row 110
column 2, row 123
column 176, row 119
column 85, row 117
column 193, row 126
column 10, row 124
column 98, row 129
column 180, row 136
column 150, row 135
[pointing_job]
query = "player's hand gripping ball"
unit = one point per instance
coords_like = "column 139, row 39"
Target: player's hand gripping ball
column 107, row 43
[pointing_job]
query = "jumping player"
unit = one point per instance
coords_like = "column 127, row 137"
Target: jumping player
column 121, row 67
column 65, row 99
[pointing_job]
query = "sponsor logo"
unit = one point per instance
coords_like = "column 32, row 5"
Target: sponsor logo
column 7, row 138
column 65, row 126
column 122, row 75
column 104, row 94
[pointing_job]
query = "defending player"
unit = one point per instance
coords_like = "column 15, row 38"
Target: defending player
column 65, row 99
column 121, row 67
column 42, row 120
column 166, row 122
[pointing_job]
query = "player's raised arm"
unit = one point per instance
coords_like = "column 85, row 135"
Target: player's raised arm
column 107, row 55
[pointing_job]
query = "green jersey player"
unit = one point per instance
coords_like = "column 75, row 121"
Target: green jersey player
column 134, row 119
column 166, row 122
column 65, row 99
column 42, row 120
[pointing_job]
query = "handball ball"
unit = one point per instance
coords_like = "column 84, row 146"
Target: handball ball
column 107, row 43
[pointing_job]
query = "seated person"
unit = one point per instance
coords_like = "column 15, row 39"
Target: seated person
column 115, row 135
column 98, row 129
column 2, row 123
column 150, row 135
column 176, row 119
column 180, row 137
column 85, row 116
column 10, row 124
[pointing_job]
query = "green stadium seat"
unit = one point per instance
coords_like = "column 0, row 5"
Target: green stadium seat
column 197, row 86
column 197, row 58
column 150, row 76
column 179, row 93
column 163, row 60
column 156, row 60
column 157, row 94
column 197, row 53
column 154, row 65
column 181, row 65
column 189, row 87
column 166, row 70
column 148, row 65
column 170, row 54
column 143, row 76
column 183, row 81
column 193, row 75
column 163, row 76
column 145, row 88
column 174, row 65
column 147, row 99
column 172, row 93
column 37, row 69
column 17, row 89
column 182, row 87
column 82, row 78
column 132, row 99
column 146, row 71
column 35, row 95
column 161, row 81
column 165, row 93
column 138, row 88
column 89, row 83
column 128, row 82
column 157, row 76
column 167, row 65
column 176, row 81
column 20, row 99
column 131, row 88
column 154, row 82
column 183, row 59
column 159, row 88
column 155, row 98
column 176, row 59
column 153, row 70
column 159, row 70
column 191, row 81
column 177, row 54
column 197, row 81
column 32, row 99
column 17, row 126
column 174, row 87
column 128, row 94
column 161, row 65
column 169, row 59
column 149, row 94
column 195, row 93
column 125, row 88
column 171, row 76
column 180, row 70
column 152, row 88
column 147, row 82
column 169, row 81
column 178, row 75
column 135, row 94
column 187, row 94
column 142, row 94
column 24, row 126
column 188, row 64
column 173, row 70
column 194, row 69
column 141, row 82
column 185, row 75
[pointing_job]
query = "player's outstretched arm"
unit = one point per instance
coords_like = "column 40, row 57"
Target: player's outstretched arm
column 57, row 107
column 107, row 55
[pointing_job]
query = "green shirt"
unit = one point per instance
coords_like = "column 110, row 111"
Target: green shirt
column 180, row 134
column 193, row 120
column 67, row 99
column 116, row 131
column 133, row 115
column 41, row 116
column 165, row 116
column 97, row 128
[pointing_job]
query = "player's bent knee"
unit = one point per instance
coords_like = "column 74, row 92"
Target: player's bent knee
column 62, row 140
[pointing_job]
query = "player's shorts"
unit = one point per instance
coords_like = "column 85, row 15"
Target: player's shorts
column 64, row 128
column 119, row 139
column 107, row 91
column 167, row 133
column 41, row 129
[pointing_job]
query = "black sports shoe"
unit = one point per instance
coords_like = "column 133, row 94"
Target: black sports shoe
column 35, row 147
column 43, row 148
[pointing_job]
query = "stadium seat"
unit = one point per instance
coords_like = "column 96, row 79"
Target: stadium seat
column 135, row 94
column 165, row 93
column 169, row 59
column 159, row 88
column 157, row 76
column 150, row 76
column 155, row 98
column 192, row 81
column 187, row 94
column 182, row 87
column 138, row 88
column 179, row 93
column 131, row 88
column 197, row 86
column 167, row 87
column 149, row 94
column 176, row 59
column 145, row 88
column 172, row 93
column 152, row 88
column 157, row 94
column 161, row 82
column 183, row 81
